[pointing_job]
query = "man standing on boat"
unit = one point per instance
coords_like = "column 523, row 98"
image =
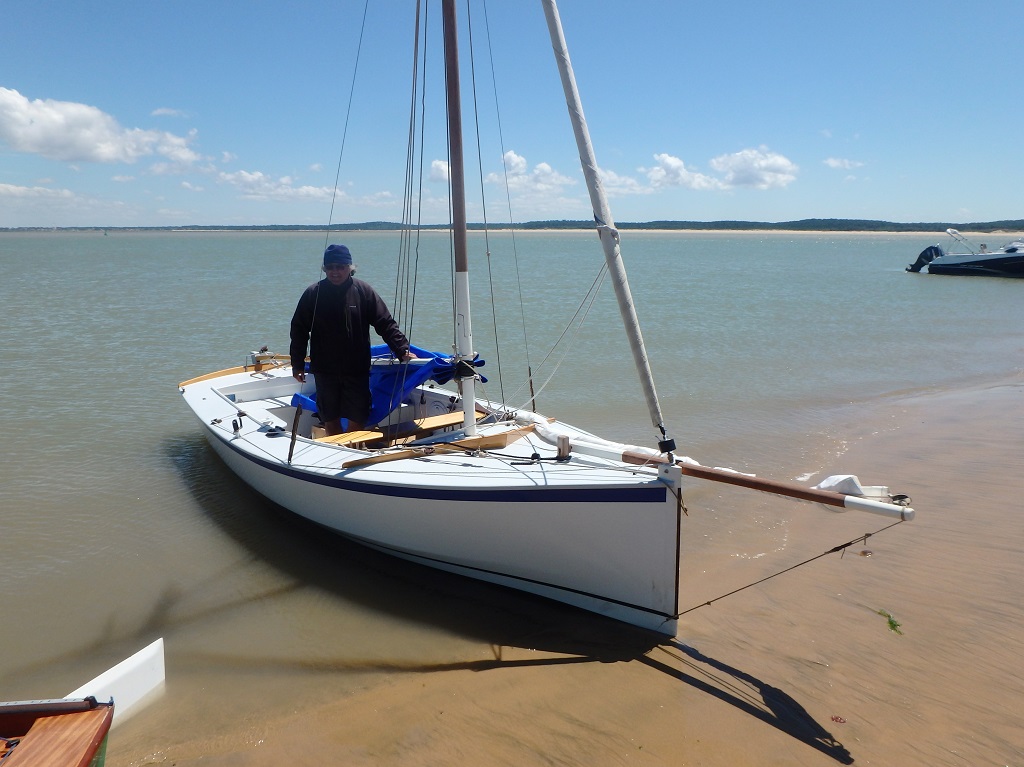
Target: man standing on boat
column 333, row 318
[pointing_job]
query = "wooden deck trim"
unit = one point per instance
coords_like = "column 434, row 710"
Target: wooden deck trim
column 63, row 739
column 263, row 362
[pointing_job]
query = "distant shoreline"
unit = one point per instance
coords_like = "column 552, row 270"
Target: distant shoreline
column 806, row 226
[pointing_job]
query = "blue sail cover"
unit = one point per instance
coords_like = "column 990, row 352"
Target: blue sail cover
column 389, row 384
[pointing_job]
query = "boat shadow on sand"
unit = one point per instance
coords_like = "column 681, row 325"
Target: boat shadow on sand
column 308, row 556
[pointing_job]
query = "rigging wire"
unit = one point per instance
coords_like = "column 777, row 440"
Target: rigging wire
column 584, row 307
column 405, row 274
column 412, row 213
column 588, row 300
column 399, row 304
column 348, row 115
column 840, row 548
column 406, row 279
column 483, row 200
column 344, row 137
column 508, row 202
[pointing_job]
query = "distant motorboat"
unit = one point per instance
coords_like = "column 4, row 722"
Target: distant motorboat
column 1005, row 261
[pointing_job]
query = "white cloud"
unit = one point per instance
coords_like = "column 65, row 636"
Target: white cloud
column 47, row 206
column 439, row 171
column 259, row 186
column 543, row 179
column 617, row 186
column 514, row 164
column 841, row 164
column 757, row 168
column 671, row 171
column 122, row 179
column 70, row 132
column 538, row 192
column 34, row 193
column 191, row 187
column 167, row 112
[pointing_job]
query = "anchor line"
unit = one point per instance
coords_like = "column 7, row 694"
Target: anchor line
column 840, row 548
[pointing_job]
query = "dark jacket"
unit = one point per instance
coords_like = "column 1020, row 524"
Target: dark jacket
column 335, row 321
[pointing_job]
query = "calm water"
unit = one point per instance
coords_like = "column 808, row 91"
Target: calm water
column 119, row 525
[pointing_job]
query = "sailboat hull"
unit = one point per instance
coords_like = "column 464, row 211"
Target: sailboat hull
column 584, row 532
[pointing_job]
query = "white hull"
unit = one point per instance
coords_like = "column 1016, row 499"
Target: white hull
column 590, row 532
column 132, row 684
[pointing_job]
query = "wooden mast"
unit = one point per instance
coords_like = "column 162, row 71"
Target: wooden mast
column 463, row 324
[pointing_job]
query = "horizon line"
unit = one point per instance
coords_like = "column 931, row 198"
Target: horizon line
column 811, row 224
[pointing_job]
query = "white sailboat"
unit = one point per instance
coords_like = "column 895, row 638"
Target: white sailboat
column 480, row 488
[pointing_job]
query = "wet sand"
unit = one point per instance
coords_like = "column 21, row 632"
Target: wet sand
column 802, row 670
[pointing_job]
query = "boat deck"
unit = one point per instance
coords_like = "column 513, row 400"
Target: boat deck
column 57, row 737
column 424, row 444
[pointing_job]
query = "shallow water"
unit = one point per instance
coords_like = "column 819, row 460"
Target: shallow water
column 120, row 525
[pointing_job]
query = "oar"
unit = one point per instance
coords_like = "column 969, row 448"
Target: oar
column 478, row 442
column 401, row 455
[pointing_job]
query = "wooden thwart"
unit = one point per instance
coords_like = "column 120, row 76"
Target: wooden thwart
column 351, row 437
column 423, row 426
column 479, row 442
column 418, row 428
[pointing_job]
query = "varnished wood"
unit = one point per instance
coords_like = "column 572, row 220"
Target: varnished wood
column 62, row 740
column 263, row 362
column 351, row 437
column 479, row 442
column 421, row 427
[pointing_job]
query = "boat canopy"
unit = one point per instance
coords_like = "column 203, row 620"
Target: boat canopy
column 390, row 382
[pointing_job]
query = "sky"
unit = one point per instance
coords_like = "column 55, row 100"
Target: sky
column 226, row 112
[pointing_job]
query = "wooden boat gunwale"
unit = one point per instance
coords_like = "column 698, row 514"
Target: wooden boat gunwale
column 56, row 733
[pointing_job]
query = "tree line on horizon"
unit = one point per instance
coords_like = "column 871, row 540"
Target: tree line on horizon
column 807, row 224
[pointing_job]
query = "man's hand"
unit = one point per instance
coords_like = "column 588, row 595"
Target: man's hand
column 300, row 377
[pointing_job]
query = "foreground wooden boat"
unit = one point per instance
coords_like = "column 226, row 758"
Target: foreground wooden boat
column 72, row 731
column 485, row 489
column 55, row 733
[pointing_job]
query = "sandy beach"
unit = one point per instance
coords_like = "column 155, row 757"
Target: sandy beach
column 902, row 650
